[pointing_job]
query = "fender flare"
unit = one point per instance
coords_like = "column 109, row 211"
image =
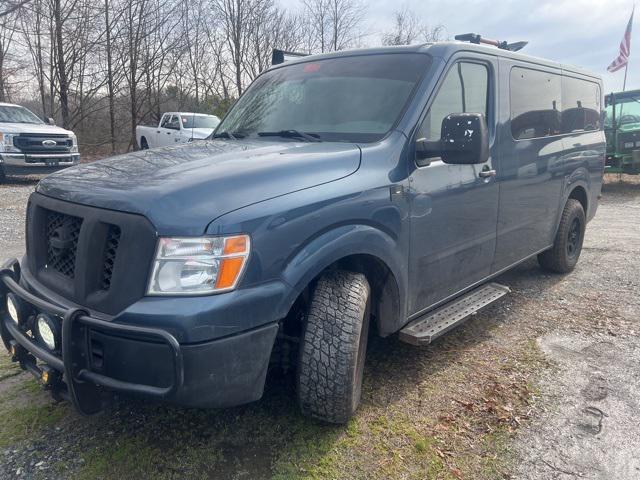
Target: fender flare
column 578, row 178
column 341, row 242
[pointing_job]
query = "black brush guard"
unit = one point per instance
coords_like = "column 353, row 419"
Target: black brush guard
column 82, row 384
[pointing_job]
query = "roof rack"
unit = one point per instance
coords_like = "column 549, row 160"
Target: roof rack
column 281, row 56
column 477, row 39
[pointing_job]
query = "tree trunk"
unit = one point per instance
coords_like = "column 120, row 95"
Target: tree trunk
column 112, row 118
column 62, row 71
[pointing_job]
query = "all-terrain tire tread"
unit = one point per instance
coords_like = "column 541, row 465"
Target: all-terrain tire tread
column 329, row 350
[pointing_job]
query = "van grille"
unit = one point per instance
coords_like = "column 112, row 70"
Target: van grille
column 111, row 247
column 63, row 232
column 92, row 257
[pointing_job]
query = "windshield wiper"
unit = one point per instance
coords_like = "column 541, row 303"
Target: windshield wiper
column 229, row 135
column 310, row 137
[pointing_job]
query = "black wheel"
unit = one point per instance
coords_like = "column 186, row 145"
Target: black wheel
column 564, row 254
column 334, row 346
column 3, row 177
column 143, row 144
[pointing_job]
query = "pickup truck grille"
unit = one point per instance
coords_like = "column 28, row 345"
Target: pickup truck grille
column 97, row 258
column 43, row 143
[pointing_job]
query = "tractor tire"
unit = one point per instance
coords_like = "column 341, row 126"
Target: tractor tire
column 563, row 256
column 333, row 347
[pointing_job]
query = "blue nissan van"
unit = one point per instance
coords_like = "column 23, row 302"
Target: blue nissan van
column 349, row 194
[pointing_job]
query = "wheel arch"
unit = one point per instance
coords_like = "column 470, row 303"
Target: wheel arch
column 360, row 248
column 578, row 192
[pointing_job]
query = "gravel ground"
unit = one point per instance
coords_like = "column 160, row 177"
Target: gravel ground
column 13, row 200
column 587, row 426
column 544, row 384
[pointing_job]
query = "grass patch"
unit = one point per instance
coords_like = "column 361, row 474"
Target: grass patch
column 7, row 367
column 24, row 422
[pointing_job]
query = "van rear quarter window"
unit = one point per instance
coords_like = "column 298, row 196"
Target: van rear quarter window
column 535, row 103
column 580, row 105
column 545, row 104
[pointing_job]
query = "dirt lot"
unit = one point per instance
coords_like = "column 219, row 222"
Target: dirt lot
column 543, row 385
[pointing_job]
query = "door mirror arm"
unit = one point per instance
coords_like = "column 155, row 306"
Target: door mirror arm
column 427, row 151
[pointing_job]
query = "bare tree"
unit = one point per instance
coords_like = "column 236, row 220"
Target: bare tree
column 333, row 24
column 272, row 27
column 408, row 29
column 10, row 7
column 8, row 24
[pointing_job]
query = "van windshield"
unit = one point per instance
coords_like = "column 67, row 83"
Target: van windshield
column 350, row 99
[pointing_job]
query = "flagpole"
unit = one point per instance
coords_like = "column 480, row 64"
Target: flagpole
column 624, row 83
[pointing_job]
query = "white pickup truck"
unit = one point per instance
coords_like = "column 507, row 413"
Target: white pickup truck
column 176, row 127
column 29, row 145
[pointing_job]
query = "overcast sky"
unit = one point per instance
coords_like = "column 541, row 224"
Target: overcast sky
column 586, row 33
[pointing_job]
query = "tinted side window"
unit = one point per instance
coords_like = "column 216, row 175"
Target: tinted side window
column 580, row 105
column 535, row 103
column 464, row 90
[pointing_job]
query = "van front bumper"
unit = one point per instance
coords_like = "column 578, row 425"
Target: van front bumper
column 96, row 356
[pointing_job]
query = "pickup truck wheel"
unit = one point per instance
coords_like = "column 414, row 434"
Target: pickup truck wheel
column 3, row 177
column 333, row 347
column 564, row 254
column 143, row 144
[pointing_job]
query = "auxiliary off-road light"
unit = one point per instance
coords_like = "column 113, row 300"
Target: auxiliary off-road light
column 198, row 265
column 46, row 331
column 14, row 308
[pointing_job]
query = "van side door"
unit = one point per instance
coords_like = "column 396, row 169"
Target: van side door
column 531, row 149
column 453, row 207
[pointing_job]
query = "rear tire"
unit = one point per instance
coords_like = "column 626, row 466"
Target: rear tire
column 333, row 347
column 563, row 256
column 3, row 177
column 143, row 144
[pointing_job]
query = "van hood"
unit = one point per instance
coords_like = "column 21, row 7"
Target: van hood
column 181, row 189
column 10, row 127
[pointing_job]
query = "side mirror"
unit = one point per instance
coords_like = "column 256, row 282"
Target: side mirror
column 51, row 121
column 464, row 139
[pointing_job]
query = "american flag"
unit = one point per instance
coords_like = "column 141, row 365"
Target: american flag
column 625, row 49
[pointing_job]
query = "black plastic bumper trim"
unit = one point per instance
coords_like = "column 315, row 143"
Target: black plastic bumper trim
column 72, row 364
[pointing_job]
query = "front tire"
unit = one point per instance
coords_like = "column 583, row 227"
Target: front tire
column 563, row 256
column 333, row 347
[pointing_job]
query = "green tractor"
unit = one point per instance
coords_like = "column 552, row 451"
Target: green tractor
column 622, row 129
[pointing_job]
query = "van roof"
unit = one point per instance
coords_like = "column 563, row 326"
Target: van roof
column 445, row 50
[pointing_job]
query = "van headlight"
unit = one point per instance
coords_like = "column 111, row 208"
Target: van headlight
column 198, row 265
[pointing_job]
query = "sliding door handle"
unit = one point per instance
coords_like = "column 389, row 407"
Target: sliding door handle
column 487, row 173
